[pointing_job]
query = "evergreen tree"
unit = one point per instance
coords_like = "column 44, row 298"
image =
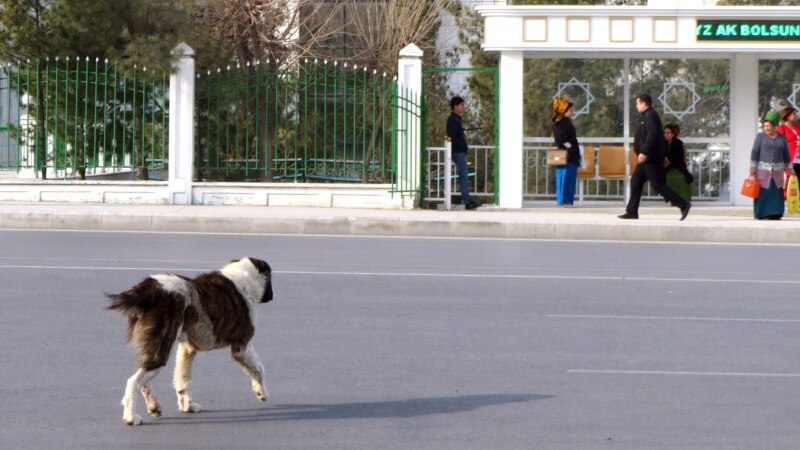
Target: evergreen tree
column 138, row 33
column 25, row 29
column 53, row 38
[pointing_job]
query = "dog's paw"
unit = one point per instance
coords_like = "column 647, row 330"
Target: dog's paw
column 190, row 407
column 260, row 391
column 133, row 420
column 155, row 412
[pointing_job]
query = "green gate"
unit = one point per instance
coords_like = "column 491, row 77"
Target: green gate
column 479, row 87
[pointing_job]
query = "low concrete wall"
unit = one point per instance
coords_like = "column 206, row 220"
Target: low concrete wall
column 319, row 195
column 142, row 192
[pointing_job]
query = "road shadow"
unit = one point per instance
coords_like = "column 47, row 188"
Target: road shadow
column 390, row 409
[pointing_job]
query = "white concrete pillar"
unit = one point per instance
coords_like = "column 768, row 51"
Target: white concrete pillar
column 511, row 162
column 409, row 118
column 744, row 121
column 181, row 127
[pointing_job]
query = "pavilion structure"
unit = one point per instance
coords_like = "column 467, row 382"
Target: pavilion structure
column 670, row 29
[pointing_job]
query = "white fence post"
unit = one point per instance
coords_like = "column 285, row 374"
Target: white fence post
column 181, row 127
column 448, row 173
column 409, row 79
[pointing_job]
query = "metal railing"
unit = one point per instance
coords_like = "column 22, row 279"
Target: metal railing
column 481, row 162
column 708, row 161
column 310, row 120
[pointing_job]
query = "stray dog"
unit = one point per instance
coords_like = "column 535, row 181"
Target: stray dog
column 211, row 311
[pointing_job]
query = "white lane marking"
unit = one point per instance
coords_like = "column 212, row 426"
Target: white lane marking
column 676, row 318
column 544, row 277
column 144, row 269
column 429, row 275
column 683, row 373
column 435, row 238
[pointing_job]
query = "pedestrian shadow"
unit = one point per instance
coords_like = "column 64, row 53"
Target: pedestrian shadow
column 390, row 409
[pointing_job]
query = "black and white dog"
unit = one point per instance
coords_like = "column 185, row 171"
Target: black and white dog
column 211, row 311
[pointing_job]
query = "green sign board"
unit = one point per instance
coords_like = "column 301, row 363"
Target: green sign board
column 748, row 30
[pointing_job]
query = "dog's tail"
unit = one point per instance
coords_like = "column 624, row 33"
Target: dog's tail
column 155, row 315
column 135, row 302
column 125, row 302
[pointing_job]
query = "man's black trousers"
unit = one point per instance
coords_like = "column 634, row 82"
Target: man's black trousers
column 656, row 175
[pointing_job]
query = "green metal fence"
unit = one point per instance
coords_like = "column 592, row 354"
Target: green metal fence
column 307, row 121
column 73, row 116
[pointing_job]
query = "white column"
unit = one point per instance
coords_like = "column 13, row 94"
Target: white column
column 448, row 173
column 409, row 83
column 626, row 125
column 181, row 127
column 744, row 121
column 510, row 111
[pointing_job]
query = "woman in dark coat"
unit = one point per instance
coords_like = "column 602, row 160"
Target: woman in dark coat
column 678, row 176
column 566, row 139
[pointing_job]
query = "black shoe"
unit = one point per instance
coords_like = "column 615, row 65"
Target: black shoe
column 628, row 215
column 470, row 206
column 685, row 210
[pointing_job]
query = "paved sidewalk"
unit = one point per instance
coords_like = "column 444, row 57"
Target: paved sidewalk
column 657, row 223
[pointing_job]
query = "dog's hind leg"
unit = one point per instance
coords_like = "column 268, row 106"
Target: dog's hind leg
column 129, row 415
column 183, row 377
column 248, row 359
column 153, row 408
column 141, row 378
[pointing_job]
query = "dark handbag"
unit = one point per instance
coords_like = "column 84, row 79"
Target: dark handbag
column 556, row 157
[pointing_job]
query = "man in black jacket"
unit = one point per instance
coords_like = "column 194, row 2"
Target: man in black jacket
column 455, row 131
column 651, row 151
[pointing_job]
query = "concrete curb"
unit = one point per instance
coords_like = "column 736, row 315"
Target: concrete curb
column 731, row 225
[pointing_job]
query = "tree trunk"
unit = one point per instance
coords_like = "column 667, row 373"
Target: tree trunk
column 266, row 132
column 40, row 138
column 374, row 141
column 265, row 149
column 138, row 147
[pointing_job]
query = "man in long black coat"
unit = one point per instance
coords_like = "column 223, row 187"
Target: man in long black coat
column 651, row 151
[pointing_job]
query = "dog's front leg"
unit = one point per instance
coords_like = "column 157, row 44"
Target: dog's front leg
column 248, row 359
column 183, row 377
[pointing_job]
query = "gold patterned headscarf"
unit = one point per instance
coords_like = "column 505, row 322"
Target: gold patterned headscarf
column 560, row 106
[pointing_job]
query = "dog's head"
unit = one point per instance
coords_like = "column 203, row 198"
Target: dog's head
column 249, row 271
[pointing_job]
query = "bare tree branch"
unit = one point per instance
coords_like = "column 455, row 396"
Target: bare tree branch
column 375, row 31
column 267, row 29
column 364, row 32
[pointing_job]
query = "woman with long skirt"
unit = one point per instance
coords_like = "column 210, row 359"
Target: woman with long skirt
column 678, row 176
column 769, row 159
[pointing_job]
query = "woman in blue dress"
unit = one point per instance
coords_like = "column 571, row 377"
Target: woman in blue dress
column 566, row 139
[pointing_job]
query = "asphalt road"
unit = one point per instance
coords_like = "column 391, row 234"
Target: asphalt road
column 417, row 343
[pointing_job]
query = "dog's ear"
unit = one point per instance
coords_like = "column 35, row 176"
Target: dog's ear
column 261, row 266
